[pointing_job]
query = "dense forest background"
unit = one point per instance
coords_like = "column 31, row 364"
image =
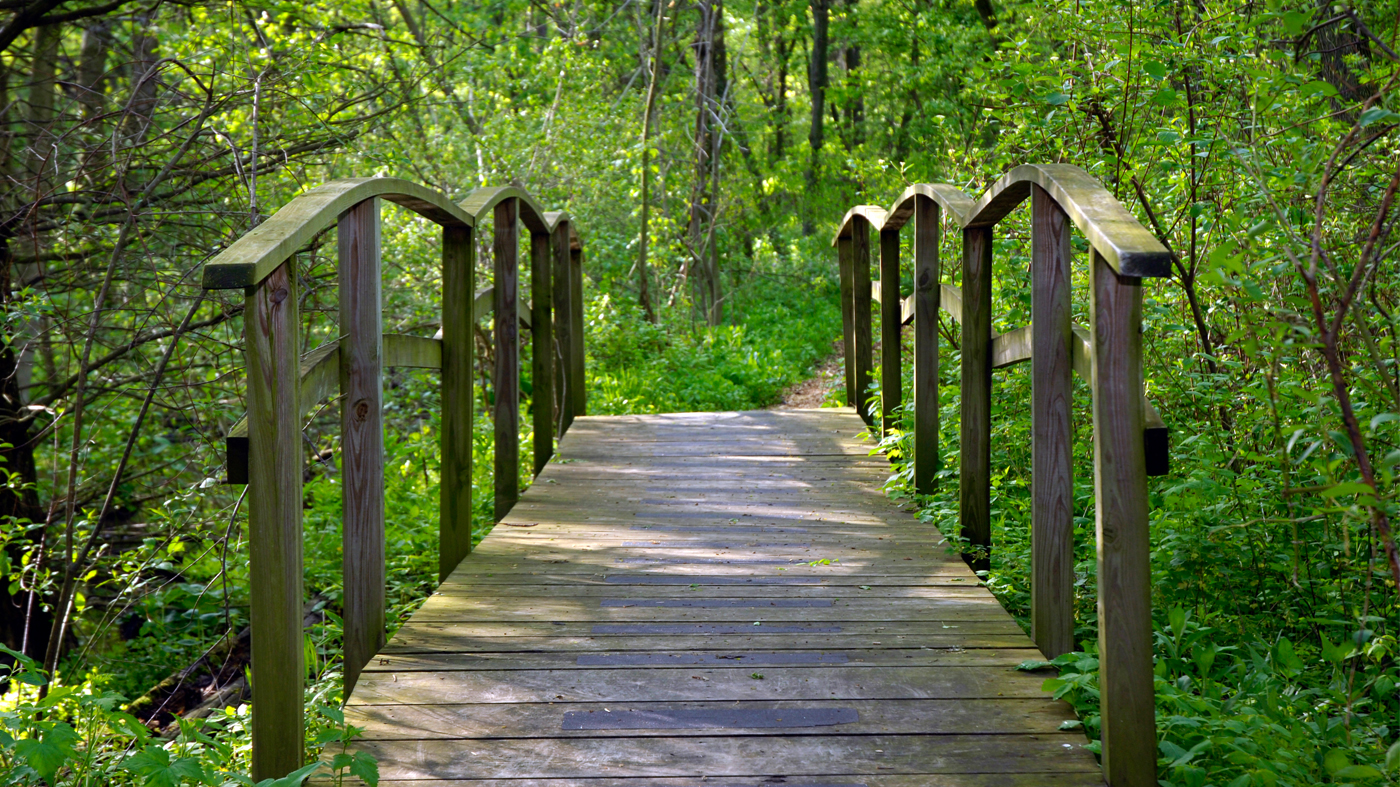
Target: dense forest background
column 707, row 151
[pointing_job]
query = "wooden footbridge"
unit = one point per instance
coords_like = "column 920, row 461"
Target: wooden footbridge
column 701, row 599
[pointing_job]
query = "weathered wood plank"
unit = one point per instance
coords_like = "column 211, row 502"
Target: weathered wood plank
column 576, row 353
column 563, row 327
column 715, row 757
column 834, row 682
column 542, row 349
column 876, row 717
column 361, row 435
column 845, row 258
column 1052, row 435
column 975, row 469
column 458, row 399
column 631, row 583
column 271, row 328
column 814, row 659
column 860, row 315
column 926, row 305
column 1124, row 570
column 891, row 384
column 506, row 412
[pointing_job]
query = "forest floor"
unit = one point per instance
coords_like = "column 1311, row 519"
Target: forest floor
column 812, row 391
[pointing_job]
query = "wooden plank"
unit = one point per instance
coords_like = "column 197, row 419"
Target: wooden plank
column 429, row 639
column 251, row 258
column 631, row 584
column 563, row 327
column 879, row 779
column 926, row 305
column 1052, row 429
column 845, row 257
column 576, row 354
column 875, row 717
column 458, row 399
column 1003, row 658
column 542, row 349
column 1121, row 511
column 271, row 343
column 506, row 412
column 361, row 436
column 806, row 757
column 974, row 479
column 642, row 684
column 860, row 314
column 891, row 384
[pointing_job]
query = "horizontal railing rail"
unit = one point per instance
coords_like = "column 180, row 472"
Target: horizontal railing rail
column 1130, row 439
column 265, row 449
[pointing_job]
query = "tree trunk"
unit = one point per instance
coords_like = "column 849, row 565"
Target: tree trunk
column 653, row 79
column 710, row 82
column 816, row 85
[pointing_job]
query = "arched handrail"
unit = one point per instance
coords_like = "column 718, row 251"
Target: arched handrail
column 265, row 449
column 254, row 256
column 485, row 199
column 1129, row 436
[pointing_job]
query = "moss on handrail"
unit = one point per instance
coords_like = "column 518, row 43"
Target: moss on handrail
column 252, row 257
column 1128, row 247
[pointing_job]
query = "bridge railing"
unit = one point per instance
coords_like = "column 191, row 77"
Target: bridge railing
column 265, row 450
column 1130, row 440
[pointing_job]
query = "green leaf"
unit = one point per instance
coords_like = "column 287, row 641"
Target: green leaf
column 1347, row 488
column 1057, row 99
column 1357, row 772
column 1392, row 756
column 1155, row 70
column 159, row 770
column 1377, row 115
column 366, row 767
column 49, row 752
column 1335, row 760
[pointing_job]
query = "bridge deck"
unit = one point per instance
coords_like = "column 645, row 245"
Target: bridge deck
column 657, row 611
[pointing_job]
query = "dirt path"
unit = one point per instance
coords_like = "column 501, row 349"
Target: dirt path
column 812, row 391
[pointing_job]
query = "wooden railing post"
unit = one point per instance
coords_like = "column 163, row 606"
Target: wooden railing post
column 926, row 305
column 860, row 312
column 458, row 398
column 272, row 346
column 891, row 379
column 1052, row 476
column 845, row 263
column 1121, row 507
column 505, row 250
column 975, row 471
column 576, row 355
column 542, row 348
column 563, row 327
column 361, row 436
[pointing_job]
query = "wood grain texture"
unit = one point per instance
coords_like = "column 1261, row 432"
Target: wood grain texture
column 458, row 399
column 576, row 354
column 926, row 304
column 563, row 328
column 252, row 257
column 1052, row 434
column 975, row 469
column 271, row 344
column 361, row 435
column 860, row 315
column 891, row 382
column 1121, row 511
column 506, row 409
column 845, row 259
column 551, row 618
column 542, row 347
